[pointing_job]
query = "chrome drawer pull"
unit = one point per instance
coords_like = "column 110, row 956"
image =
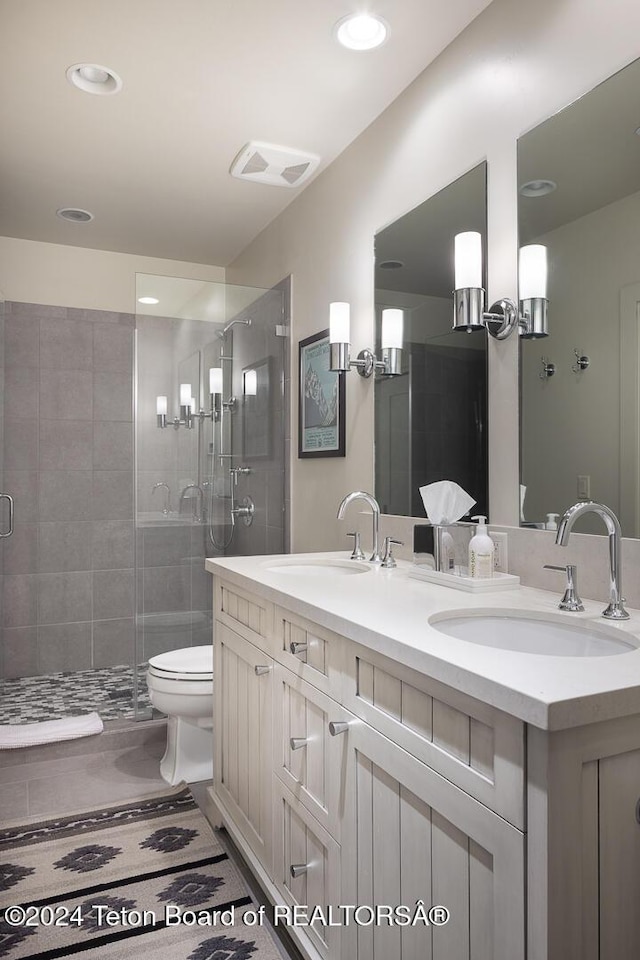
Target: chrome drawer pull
column 260, row 670
column 296, row 743
column 336, row 727
column 298, row 869
column 297, row 648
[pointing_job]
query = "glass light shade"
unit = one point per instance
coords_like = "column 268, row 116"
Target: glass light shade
column 339, row 322
column 250, row 383
column 392, row 328
column 532, row 273
column 185, row 394
column 192, row 404
column 215, row 379
column 161, row 406
column 468, row 260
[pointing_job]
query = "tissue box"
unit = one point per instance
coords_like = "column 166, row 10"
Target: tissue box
column 427, row 544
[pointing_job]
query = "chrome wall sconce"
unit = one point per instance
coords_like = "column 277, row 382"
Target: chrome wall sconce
column 548, row 369
column 582, row 362
column 503, row 316
column 389, row 365
column 188, row 413
column 187, row 410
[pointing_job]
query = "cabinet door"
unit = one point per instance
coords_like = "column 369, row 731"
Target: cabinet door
column 243, row 687
column 306, row 868
column 620, row 857
column 415, row 836
column 306, row 758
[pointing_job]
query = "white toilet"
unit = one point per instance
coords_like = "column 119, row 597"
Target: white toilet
column 180, row 684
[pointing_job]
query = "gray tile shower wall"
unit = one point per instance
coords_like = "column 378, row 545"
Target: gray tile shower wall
column 67, row 453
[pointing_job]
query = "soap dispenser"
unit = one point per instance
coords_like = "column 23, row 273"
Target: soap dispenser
column 481, row 550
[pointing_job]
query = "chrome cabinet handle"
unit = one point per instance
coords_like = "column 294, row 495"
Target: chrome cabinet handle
column 297, row 743
column 5, row 496
column 297, row 648
column 336, row 727
column 261, row 669
column 298, row 869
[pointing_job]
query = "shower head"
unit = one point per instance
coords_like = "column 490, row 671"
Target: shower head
column 222, row 333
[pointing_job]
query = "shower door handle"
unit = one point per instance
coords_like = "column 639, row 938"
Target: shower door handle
column 5, row 496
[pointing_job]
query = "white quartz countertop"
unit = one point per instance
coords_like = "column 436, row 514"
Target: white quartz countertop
column 388, row 611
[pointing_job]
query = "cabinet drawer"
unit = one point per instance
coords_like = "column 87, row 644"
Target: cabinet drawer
column 477, row 747
column 307, row 758
column 300, row 842
column 244, row 612
column 310, row 651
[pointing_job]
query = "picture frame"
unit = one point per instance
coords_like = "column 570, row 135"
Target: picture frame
column 321, row 401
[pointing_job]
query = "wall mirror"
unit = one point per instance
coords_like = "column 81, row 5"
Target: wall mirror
column 579, row 195
column 431, row 421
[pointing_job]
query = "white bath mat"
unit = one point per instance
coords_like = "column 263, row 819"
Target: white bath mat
column 14, row 735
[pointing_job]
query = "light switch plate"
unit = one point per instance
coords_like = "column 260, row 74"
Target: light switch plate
column 584, row 487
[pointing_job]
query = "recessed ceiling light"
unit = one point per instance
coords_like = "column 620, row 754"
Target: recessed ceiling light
column 391, row 265
column 74, row 214
column 148, row 300
column 361, row 31
column 538, row 188
column 93, row 78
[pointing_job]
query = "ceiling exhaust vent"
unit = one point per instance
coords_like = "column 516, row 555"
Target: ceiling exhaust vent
column 277, row 166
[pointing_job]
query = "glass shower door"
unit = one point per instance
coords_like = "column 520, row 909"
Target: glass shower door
column 210, row 440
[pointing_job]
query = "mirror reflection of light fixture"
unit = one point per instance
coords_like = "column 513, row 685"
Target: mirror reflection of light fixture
column 215, row 380
column 187, row 410
column 185, row 403
column 250, row 383
column 161, row 411
column 188, row 404
column 215, row 389
column 366, row 363
column 503, row 316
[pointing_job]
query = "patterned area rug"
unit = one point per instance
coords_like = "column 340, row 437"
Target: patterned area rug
column 145, row 879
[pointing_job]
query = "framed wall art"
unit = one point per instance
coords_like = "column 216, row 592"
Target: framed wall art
column 321, row 412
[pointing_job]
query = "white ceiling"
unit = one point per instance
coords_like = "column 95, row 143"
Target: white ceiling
column 201, row 78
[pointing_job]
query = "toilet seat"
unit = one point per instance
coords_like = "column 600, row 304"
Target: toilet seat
column 190, row 664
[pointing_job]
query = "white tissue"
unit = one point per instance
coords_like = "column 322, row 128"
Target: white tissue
column 445, row 501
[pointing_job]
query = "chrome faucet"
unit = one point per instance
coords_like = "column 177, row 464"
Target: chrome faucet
column 196, row 498
column 375, row 512
column 166, row 510
column 615, row 609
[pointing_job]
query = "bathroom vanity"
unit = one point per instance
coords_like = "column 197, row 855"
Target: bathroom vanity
column 364, row 757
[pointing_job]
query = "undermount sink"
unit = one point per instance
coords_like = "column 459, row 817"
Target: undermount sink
column 310, row 568
column 527, row 632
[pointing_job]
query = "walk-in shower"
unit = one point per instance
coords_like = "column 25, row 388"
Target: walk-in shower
column 215, row 367
column 115, row 514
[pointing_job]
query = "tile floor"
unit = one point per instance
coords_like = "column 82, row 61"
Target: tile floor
column 109, row 691
column 119, row 764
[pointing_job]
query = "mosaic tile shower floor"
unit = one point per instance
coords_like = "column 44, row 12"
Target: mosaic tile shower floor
column 108, row 691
